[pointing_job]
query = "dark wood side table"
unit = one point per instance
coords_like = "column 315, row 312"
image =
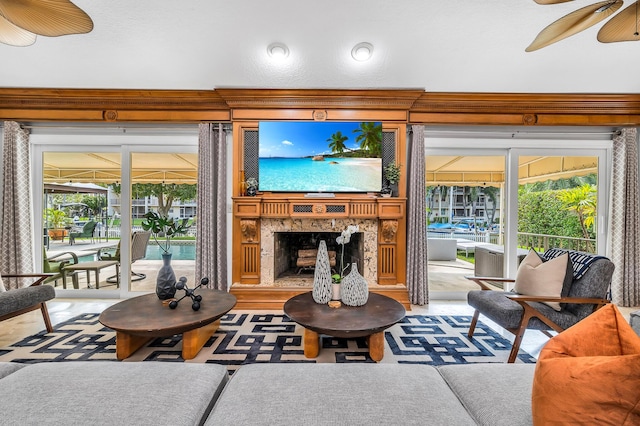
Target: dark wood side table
column 140, row 319
column 370, row 320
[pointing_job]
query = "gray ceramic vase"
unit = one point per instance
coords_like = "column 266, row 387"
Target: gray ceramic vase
column 166, row 281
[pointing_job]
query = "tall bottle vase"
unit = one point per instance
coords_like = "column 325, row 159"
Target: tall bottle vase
column 166, row 281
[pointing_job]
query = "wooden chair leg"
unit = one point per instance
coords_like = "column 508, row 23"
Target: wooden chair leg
column 472, row 326
column 45, row 316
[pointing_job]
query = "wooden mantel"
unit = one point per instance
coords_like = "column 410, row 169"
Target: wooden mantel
column 388, row 212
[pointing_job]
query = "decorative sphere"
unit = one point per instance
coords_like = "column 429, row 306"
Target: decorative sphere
column 173, row 304
column 198, row 298
column 204, row 281
column 179, row 285
column 195, row 306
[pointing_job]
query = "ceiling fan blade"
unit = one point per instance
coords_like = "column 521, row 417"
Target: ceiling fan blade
column 622, row 27
column 15, row 36
column 46, row 17
column 573, row 23
column 551, row 1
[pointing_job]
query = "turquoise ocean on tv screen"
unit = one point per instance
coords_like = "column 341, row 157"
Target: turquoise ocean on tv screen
column 330, row 175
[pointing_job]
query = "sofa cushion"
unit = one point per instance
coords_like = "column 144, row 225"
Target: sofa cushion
column 107, row 392
column 536, row 277
column 346, row 394
column 7, row 368
column 589, row 373
column 493, row 394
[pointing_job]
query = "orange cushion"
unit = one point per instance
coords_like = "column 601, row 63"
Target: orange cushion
column 589, row 374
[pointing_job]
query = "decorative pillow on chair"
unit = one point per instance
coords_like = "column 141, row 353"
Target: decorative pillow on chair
column 538, row 278
column 589, row 374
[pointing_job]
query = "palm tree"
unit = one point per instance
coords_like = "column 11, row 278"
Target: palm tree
column 582, row 202
column 336, row 142
column 491, row 193
column 370, row 138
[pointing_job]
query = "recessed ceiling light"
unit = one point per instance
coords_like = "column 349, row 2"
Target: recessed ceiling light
column 362, row 51
column 278, row 50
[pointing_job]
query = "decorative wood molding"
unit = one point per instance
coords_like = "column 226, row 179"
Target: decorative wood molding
column 412, row 106
column 319, row 99
column 389, row 228
column 526, row 109
column 249, row 229
column 112, row 105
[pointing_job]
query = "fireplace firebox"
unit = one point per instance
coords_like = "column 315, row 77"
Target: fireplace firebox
column 287, row 247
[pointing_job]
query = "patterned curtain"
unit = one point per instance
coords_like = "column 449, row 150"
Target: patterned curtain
column 16, row 231
column 417, row 272
column 625, row 220
column 211, row 245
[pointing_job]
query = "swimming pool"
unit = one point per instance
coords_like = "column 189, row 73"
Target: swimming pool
column 154, row 252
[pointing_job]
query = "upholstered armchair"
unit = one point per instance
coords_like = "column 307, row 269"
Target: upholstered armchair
column 516, row 313
column 14, row 302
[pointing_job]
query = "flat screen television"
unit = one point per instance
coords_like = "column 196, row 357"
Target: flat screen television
column 319, row 156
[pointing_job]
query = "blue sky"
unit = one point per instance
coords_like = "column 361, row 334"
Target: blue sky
column 301, row 139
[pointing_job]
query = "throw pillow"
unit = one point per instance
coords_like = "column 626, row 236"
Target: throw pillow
column 589, row 374
column 538, row 278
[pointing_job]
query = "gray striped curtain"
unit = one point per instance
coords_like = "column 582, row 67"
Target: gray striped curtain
column 211, row 224
column 625, row 220
column 16, row 231
column 417, row 272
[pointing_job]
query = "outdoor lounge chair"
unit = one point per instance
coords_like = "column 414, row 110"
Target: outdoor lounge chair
column 139, row 243
column 18, row 301
column 87, row 232
column 516, row 313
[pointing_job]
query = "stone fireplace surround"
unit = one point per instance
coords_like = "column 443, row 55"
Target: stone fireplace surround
column 368, row 228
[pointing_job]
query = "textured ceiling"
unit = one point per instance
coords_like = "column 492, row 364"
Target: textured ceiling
column 451, row 46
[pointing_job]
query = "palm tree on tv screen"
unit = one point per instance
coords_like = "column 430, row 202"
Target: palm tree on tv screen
column 336, row 142
column 370, row 138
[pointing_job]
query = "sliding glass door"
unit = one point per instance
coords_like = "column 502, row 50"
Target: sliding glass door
column 93, row 202
column 507, row 199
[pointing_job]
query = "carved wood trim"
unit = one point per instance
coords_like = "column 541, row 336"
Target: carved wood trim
column 414, row 106
column 319, row 99
column 526, row 109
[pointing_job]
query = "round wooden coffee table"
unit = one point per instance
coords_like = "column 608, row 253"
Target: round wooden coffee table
column 370, row 320
column 140, row 319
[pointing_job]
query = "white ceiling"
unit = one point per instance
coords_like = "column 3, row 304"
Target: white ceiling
column 449, row 46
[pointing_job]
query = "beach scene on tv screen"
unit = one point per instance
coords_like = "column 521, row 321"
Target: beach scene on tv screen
column 320, row 156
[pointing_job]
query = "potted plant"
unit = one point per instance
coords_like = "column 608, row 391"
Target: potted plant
column 391, row 178
column 57, row 219
column 163, row 229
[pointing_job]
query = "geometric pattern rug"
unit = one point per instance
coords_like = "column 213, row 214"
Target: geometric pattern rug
column 250, row 337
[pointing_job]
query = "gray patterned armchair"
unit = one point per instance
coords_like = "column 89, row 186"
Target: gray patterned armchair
column 517, row 313
column 14, row 302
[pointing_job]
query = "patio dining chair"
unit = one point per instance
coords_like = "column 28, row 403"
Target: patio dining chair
column 87, row 232
column 54, row 265
column 139, row 243
column 586, row 292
